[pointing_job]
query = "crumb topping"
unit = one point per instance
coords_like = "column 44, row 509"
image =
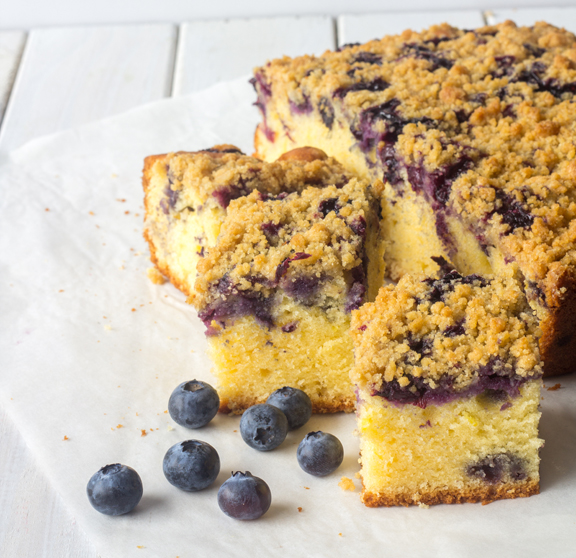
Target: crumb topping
column 482, row 121
column 226, row 174
column 309, row 245
column 445, row 332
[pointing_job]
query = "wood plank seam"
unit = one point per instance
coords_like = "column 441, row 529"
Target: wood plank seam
column 174, row 55
column 12, row 80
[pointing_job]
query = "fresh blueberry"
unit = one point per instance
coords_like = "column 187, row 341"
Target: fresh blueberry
column 191, row 465
column 193, row 404
column 320, row 453
column 243, row 496
column 114, row 489
column 263, row 427
column 294, row 403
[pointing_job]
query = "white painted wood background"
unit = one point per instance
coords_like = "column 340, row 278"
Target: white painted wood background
column 56, row 78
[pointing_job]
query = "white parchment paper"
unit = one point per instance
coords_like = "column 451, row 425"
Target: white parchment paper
column 91, row 350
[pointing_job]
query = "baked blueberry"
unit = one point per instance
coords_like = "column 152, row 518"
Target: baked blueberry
column 320, row 453
column 191, row 465
column 294, row 403
column 114, row 489
column 193, row 404
column 263, row 427
column 243, row 496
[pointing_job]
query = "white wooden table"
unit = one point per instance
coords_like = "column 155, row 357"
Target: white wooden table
column 56, row 78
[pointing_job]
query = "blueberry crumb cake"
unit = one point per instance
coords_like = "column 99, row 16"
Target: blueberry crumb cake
column 448, row 379
column 474, row 135
column 277, row 290
column 187, row 194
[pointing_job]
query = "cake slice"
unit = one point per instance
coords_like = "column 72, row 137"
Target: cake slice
column 277, row 290
column 187, row 194
column 448, row 378
column 474, row 134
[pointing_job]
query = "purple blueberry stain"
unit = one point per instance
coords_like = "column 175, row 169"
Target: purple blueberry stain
column 356, row 289
column 377, row 84
column 346, row 46
column 437, row 185
column 326, row 111
column 533, row 50
column 365, row 57
column 328, row 205
column 282, row 268
column 271, row 231
column 422, row 52
column 446, row 284
column 290, row 327
column 455, row 330
column 304, row 107
column 230, row 150
column 225, row 194
column 512, row 212
column 534, row 76
column 420, row 394
column 495, row 468
column 303, row 288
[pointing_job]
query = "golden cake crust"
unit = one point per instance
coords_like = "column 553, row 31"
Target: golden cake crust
column 485, row 494
column 325, row 406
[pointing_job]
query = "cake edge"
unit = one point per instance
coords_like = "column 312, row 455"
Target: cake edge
column 324, row 407
column 485, row 495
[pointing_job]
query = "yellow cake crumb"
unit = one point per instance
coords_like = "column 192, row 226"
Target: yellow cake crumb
column 155, row 276
column 346, row 484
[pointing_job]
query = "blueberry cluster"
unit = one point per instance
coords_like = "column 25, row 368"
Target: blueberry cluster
column 194, row 465
column 264, row 427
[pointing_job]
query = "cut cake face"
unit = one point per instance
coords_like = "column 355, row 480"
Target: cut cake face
column 473, row 133
column 187, row 195
column 277, row 289
column 448, row 378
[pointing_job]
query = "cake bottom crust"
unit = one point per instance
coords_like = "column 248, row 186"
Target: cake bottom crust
column 237, row 407
column 485, row 494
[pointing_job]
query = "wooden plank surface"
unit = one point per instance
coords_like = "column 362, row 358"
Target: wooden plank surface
column 213, row 51
column 561, row 17
column 34, row 521
column 68, row 77
column 11, row 47
column 364, row 27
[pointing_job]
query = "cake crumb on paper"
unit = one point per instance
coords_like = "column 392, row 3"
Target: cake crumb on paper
column 170, row 427
column 155, row 276
column 346, row 484
column 299, row 509
column 339, row 534
column 307, row 487
column 120, row 426
column 555, row 387
column 140, row 546
column 65, row 439
column 356, row 475
column 143, row 432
